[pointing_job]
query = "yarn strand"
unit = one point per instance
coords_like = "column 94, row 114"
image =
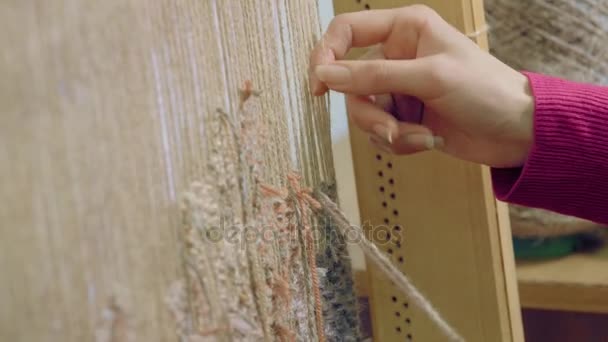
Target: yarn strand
column 384, row 264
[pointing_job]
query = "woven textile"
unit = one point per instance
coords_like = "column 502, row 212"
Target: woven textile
column 155, row 158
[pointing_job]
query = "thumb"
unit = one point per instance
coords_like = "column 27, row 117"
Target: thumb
column 380, row 76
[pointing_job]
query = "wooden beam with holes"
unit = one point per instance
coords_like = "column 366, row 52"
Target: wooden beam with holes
column 447, row 231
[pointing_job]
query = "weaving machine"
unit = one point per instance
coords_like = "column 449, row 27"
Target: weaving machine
column 132, row 130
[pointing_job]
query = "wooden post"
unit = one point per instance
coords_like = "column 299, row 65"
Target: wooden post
column 455, row 240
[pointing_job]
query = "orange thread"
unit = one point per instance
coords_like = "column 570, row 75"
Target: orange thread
column 246, row 92
column 304, row 202
column 270, row 191
column 281, row 290
column 283, row 333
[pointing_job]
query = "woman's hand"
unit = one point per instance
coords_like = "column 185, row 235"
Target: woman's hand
column 476, row 108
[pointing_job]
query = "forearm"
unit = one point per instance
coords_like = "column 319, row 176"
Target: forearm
column 567, row 168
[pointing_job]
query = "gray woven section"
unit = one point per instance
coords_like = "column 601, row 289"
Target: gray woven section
column 340, row 306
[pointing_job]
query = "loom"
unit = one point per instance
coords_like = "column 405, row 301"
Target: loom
column 160, row 162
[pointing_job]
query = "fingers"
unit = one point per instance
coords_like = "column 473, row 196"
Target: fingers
column 362, row 29
column 356, row 29
column 414, row 138
column 415, row 77
column 388, row 134
column 383, row 101
column 370, row 118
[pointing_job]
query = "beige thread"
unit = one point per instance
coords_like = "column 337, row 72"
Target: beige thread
column 129, row 125
column 385, row 265
column 484, row 29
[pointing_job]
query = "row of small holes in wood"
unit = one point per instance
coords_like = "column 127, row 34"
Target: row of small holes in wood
column 366, row 6
column 394, row 235
column 386, row 188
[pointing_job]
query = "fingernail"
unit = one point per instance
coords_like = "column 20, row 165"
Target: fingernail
column 313, row 82
column 383, row 133
column 392, row 129
column 314, row 87
column 369, row 98
column 380, row 144
column 423, row 141
column 332, row 73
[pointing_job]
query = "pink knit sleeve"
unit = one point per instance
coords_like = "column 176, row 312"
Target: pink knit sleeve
column 567, row 168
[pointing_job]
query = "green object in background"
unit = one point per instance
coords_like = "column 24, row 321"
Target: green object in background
column 545, row 248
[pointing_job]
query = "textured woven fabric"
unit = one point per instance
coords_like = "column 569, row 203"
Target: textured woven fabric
column 340, row 306
column 157, row 153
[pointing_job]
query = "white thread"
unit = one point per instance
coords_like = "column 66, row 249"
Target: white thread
column 482, row 30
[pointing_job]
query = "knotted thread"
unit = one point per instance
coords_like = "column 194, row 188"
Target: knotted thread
column 384, row 264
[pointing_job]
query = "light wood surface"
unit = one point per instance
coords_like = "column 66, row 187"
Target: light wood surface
column 455, row 237
column 575, row 283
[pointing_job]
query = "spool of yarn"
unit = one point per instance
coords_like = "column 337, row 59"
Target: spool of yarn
column 531, row 222
column 564, row 38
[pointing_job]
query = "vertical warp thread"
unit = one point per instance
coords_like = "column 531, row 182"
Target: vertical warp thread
column 120, row 119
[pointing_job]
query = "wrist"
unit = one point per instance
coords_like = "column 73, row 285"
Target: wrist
column 522, row 113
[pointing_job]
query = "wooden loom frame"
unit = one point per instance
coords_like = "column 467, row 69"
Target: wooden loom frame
column 456, row 240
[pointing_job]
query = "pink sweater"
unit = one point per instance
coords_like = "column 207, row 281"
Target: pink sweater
column 567, row 169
